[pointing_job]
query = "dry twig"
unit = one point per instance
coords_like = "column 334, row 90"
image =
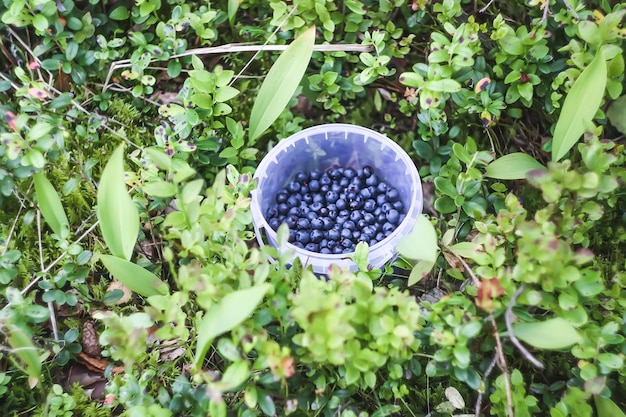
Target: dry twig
column 508, row 319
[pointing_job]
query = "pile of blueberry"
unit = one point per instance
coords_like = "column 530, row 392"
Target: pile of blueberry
column 331, row 211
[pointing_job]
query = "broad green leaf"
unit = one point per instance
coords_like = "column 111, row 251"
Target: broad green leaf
column 50, row 204
column 443, row 86
column 160, row 189
column 26, row 352
column 554, row 333
column 513, row 166
column 225, row 315
column 419, row 271
column 607, row 408
column 136, row 278
column 233, row 5
column 617, row 114
column 236, row 374
column 580, row 105
column 281, row 82
column 119, row 219
column 421, row 243
column 466, row 249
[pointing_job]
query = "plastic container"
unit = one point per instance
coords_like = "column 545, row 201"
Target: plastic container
column 331, row 145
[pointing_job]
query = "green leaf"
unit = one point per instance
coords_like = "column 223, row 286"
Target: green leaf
column 120, row 13
column 580, row 105
column 40, row 22
column 119, row 219
column 136, row 278
column 617, row 114
column 225, row 93
column 50, row 204
column 233, row 5
column 443, row 86
column 281, row 83
column 554, row 333
column 235, row 375
column 419, row 271
column 26, row 352
column 225, row 315
column 160, row 189
column 607, row 408
column 513, row 166
column 421, row 243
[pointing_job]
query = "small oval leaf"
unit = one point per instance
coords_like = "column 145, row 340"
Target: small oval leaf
column 421, row 243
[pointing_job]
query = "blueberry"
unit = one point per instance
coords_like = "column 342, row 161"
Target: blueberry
column 307, row 198
column 357, row 203
column 369, row 217
column 351, row 195
column 341, row 219
column 302, row 177
column 337, row 188
column 372, row 180
column 373, row 242
column 332, row 196
column 392, row 194
column 361, row 224
column 344, row 213
column 303, row 236
column 381, row 218
column 316, row 236
column 331, row 244
column 337, row 250
column 316, row 206
column 315, row 174
column 274, row 223
column 382, row 187
column 293, row 187
column 388, row 228
column 313, row 247
column 328, row 223
column 318, row 198
column 393, row 216
column 349, row 224
column 367, row 171
column 369, row 205
column 385, row 207
column 294, row 211
column 347, row 243
column 314, row 186
column 323, row 243
column 344, row 182
column 349, row 173
column 333, row 235
column 334, row 173
column 380, row 236
column 311, row 215
column 341, row 204
column 356, row 235
column 346, row 233
column 317, row 223
column 281, row 197
column 366, row 193
column 304, row 189
column 294, row 200
column 324, row 188
column 325, row 180
column 303, row 223
column 298, row 244
column 271, row 212
column 355, row 216
column 283, row 208
column 325, row 251
column 292, row 221
column 381, row 199
column 292, row 235
column 398, row 205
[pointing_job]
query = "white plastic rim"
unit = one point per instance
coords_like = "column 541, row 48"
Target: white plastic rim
column 331, row 145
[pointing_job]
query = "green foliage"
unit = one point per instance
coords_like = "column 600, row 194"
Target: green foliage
column 510, row 276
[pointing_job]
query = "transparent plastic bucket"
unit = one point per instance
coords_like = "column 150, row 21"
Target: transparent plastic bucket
column 334, row 145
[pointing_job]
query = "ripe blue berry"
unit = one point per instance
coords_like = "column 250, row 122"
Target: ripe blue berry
column 293, row 187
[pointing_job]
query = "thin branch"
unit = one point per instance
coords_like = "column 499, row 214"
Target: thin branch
column 508, row 319
column 19, row 212
column 503, row 367
column 546, row 10
column 484, row 9
column 479, row 400
column 233, row 48
column 571, row 9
